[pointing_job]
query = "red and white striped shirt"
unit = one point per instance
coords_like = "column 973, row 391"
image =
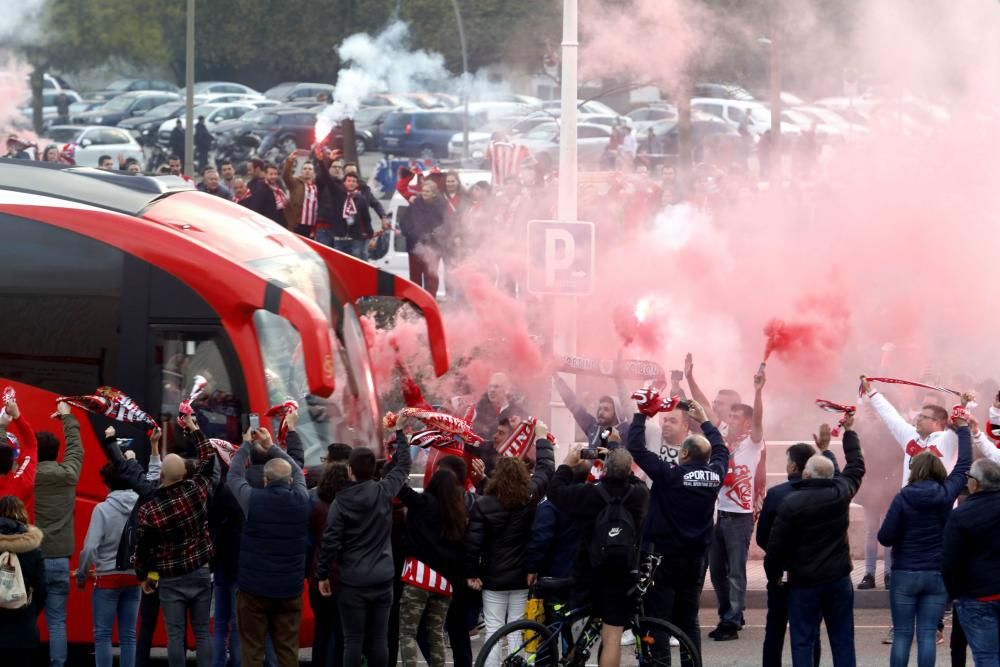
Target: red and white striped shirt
column 506, row 159
column 309, row 206
column 419, row 574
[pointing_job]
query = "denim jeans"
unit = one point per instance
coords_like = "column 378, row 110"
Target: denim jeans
column 500, row 607
column 980, row 621
column 777, row 622
column 226, row 640
column 832, row 602
column 873, row 521
column 727, row 564
column 354, row 247
column 149, row 615
column 57, row 589
column 916, row 596
column 364, row 615
column 111, row 604
column 324, row 236
column 183, row 597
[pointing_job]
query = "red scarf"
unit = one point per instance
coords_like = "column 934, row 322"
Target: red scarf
column 350, row 208
column 246, row 195
column 280, row 198
column 452, row 202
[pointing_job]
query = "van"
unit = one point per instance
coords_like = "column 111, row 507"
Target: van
column 732, row 113
column 423, row 134
column 396, row 259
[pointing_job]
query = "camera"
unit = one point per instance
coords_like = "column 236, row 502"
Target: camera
column 684, row 405
column 590, row 453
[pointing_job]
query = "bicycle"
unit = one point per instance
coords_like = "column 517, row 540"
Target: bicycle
column 656, row 642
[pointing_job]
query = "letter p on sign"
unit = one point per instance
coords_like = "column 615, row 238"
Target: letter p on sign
column 560, row 257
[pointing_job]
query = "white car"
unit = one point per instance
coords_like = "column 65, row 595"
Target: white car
column 223, row 98
column 213, row 113
column 229, row 87
column 89, row 142
column 732, row 112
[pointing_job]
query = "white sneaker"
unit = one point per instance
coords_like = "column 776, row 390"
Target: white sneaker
column 627, row 638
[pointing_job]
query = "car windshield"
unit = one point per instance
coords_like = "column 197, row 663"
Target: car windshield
column 120, row 103
column 64, row 135
column 350, row 414
column 279, row 91
column 546, row 131
column 120, row 84
column 165, row 109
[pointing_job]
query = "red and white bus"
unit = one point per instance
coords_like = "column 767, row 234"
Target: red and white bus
column 142, row 283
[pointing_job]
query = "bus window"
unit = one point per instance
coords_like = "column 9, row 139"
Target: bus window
column 61, row 297
column 348, row 415
column 182, row 356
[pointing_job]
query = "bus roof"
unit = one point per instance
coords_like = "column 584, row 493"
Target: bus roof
column 115, row 191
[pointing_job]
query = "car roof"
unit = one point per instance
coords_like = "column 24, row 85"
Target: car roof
column 124, row 193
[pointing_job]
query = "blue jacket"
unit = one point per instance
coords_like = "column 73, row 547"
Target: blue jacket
column 682, row 498
column 914, row 524
column 555, row 536
column 272, row 560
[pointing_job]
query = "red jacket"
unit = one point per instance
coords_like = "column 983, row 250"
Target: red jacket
column 20, row 481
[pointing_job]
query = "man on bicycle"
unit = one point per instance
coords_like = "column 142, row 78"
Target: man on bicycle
column 682, row 506
column 612, row 512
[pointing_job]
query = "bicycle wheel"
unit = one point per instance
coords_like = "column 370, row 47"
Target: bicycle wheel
column 657, row 643
column 511, row 647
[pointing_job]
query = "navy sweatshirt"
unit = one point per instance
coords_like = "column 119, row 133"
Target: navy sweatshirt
column 682, row 498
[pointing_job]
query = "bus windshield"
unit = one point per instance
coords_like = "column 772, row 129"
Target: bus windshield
column 350, row 414
column 304, row 271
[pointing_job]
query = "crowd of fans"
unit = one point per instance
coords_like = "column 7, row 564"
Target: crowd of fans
column 389, row 571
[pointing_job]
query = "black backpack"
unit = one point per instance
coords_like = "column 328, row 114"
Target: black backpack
column 615, row 542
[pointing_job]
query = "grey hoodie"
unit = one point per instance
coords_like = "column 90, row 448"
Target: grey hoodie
column 359, row 525
column 100, row 547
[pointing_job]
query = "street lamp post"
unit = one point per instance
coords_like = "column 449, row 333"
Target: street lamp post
column 465, row 79
column 189, row 83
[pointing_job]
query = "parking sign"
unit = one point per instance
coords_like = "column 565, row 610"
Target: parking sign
column 560, row 257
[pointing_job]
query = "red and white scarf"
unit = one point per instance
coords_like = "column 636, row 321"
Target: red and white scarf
column 310, row 206
column 280, row 198
column 112, row 404
column 241, row 197
column 350, row 208
column 419, row 574
column 452, row 202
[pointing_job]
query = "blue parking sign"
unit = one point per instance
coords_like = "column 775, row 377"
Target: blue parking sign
column 560, row 257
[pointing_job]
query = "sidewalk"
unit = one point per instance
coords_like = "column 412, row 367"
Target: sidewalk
column 877, row 598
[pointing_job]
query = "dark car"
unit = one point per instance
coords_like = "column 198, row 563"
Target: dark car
column 280, row 130
column 368, row 125
column 126, row 105
column 423, row 134
column 149, row 122
column 296, row 90
column 120, row 86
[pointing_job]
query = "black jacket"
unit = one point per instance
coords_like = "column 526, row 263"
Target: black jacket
column 261, row 200
column 424, row 222
column 424, row 538
column 584, row 502
column 19, row 627
column 682, row 497
column 772, row 501
column 497, row 539
column 202, row 138
column 971, row 545
column 809, row 536
column 486, row 418
column 359, row 524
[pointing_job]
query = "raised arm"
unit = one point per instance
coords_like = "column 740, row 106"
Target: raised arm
column 647, row 461
column 236, row 479
column 73, row 460
column 696, row 392
column 545, row 463
column 854, row 468
column 584, row 419
column 757, row 427
column 396, row 478
column 900, row 429
column 293, row 442
column 956, row 480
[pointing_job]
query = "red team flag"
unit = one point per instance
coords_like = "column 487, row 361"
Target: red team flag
column 113, row 404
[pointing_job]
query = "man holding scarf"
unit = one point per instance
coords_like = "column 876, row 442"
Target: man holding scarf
column 301, row 213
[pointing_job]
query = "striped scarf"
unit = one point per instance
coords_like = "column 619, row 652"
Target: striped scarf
column 280, row 198
column 310, row 206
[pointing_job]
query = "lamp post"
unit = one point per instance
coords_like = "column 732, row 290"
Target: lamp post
column 189, row 92
column 465, row 79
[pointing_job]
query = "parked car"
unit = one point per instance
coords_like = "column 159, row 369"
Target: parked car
column 368, row 120
column 227, row 87
column 120, row 86
column 722, row 91
column 295, row 90
column 278, row 131
column 124, row 106
column 152, row 119
column 480, row 137
column 825, row 132
column 223, row 98
column 643, row 117
column 543, row 142
column 213, row 113
column 590, row 106
column 391, row 100
column 422, row 134
column 732, row 112
column 89, row 142
column 49, row 98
